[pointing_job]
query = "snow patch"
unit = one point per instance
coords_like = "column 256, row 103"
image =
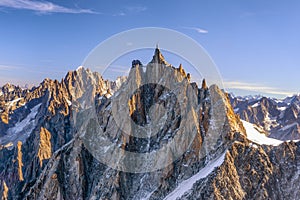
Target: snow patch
column 187, row 185
column 8, row 145
column 108, row 95
column 22, row 124
column 22, row 129
column 253, row 145
column 269, row 121
column 288, row 126
column 282, row 108
column 11, row 103
column 257, row 137
column 68, row 102
column 79, row 68
column 255, row 105
column 277, row 100
column 144, row 69
column 118, row 82
column 249, row 98
column 236, row 110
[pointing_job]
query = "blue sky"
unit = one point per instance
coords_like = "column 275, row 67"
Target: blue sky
column 255, row 44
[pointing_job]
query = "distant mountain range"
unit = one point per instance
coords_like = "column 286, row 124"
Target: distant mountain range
column 238, row 147
column 278, row 119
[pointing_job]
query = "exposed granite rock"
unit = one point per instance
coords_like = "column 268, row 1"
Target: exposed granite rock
column 159, row 58
column 4, row 192
column 56, row 163
column 204, row 85
column 45, row 147
column 20, row 163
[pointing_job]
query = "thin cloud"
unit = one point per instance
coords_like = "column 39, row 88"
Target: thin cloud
column 256, row 88
column 119, row 14
column 130, row 10
column 42, row 7
column 7, row 67
column 28, row 69
column 136, row 8
column 199, row 30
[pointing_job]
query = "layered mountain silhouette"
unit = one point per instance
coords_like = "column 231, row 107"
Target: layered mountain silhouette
column 278, row 119
column 44, row 154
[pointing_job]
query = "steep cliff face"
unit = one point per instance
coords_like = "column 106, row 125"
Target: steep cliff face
column 205, row 152
column 39, row 124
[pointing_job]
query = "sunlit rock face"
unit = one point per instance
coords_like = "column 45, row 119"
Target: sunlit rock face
column 47, row 156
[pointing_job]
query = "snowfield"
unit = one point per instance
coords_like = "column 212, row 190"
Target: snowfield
column 11, row 103
column 22, row 130
column 187, row 185
column 257, row 137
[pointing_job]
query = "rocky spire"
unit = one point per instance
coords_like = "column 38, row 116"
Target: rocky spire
column 180, row 67
column 204, row 86
column 181, row 70
column 158, row 57
column 188, row 76
column 136, row 63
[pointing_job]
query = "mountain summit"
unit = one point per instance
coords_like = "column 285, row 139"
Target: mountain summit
column 153, row 135
column 158, row 57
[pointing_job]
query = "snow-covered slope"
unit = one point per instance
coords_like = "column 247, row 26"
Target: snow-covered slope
column 254, row 135
column 21, row 130
column 187, row 185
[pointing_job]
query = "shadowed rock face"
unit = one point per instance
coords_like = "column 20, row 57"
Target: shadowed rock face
column 56, row 163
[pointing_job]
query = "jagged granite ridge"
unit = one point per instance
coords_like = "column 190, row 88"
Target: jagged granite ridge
column 248, row 171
